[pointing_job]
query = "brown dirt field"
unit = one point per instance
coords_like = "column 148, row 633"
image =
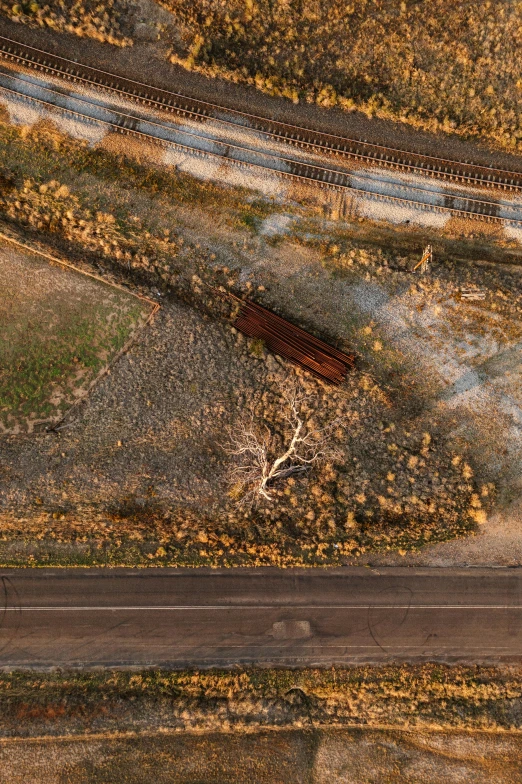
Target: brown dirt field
column 283, row 757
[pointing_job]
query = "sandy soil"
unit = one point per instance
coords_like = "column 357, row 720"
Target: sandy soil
column 497, row 543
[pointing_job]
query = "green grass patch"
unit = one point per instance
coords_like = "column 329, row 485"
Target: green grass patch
column 58, row 331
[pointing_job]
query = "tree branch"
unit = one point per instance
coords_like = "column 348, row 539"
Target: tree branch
column 256, row 449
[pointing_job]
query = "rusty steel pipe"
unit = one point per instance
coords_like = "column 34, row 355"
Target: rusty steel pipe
column 290, row 341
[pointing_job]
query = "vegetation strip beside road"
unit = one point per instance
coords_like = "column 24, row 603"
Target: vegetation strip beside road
column 422, row 696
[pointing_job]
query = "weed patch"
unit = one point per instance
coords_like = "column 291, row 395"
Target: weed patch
column 424, row 695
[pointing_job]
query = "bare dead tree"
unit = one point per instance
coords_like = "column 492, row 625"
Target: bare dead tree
column 256, row 448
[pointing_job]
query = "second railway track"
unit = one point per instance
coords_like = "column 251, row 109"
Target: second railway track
column 298, row 171
column 305, row 138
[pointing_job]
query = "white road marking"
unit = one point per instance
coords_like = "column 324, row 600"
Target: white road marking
column 322, row 648
column 286, row 608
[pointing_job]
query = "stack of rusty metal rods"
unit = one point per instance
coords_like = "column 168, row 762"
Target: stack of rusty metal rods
column 292, row 342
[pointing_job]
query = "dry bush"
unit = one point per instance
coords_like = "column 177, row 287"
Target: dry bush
column 434, row 63
column 85, row 18
column 51, row 207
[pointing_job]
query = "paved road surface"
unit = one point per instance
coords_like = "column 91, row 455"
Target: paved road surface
column 178, row 617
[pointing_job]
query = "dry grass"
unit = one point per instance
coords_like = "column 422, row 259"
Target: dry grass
column 294, row 756
column 85, row 18
column 436, row 64
column 424, row 695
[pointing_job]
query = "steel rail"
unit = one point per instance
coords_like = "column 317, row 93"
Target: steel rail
column 315, row 174
column 312, row 341
column 280, row 343
column 389, row 157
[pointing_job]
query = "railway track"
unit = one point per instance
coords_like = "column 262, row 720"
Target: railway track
column 290, row 168
column 305, row 138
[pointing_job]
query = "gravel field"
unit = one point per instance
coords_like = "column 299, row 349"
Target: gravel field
column 147, row 449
